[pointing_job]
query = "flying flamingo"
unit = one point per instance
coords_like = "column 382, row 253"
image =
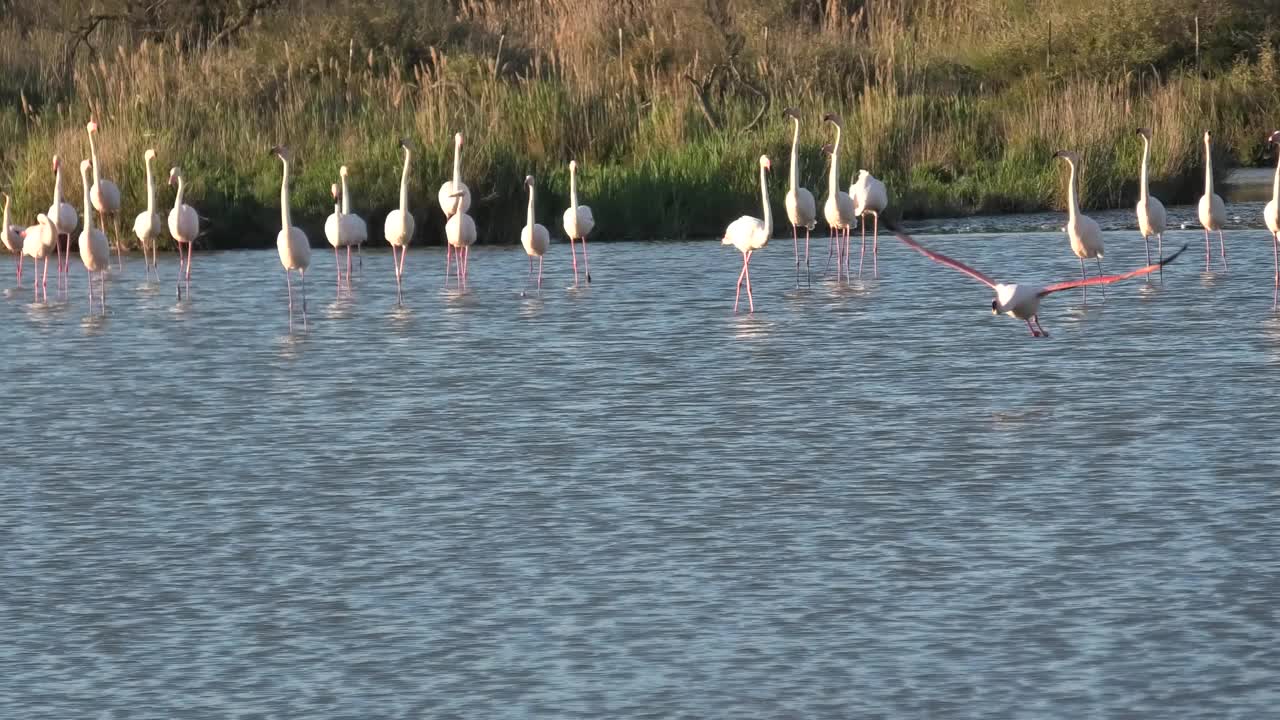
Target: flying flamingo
column 398, row 227
column 148, row 225
column 95, row 251
column 291, row 242
column 838, row 209
column 1212, row 211
column 184, row 226
column 534, row 236
column 578, row 223
column 38, row 242
column 354, row 229
column 801, row 210
column 749, row 234
column 1083, row 231
column 333, row 233
column 869, row 198
column 63, row 218
column 1151, row 215
column 1023, row 301
column 11, row 236
column 1271, row 213
column 451, row 190
column 105, row 194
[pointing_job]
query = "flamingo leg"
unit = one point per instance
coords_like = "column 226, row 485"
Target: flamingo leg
column 44, row 280
column 574, row 252
column 337, row 266
column 466, row 263
column 1034, row 331
column 848, row 251
column 191, row 246
column 89, row 274
column 115, row 222
column 875, row 244
column 795, row 246
column 737, row 295
column 348, row 266
column 746, row 268
column 288, row 283
column 1146, row 244
column 830, row 250
column 103, row 293
column 1043, row 332
column 1207, row 253
column 303, row 273
column 586, row 262
column 1160, row 253
column 1222, row 245
column 1084, row 292
column 539, row 272
column 862, row 225
column 1104, row 287
column 807, row 272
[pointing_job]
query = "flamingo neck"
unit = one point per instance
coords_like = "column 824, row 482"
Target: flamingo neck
column 795, row 156
column 177, row 199
column 93, row 155
column 404, row 184
column 285, row 221
column 833, row 180
column 764, row 200
column 57, row 189
column 1073, row 199
column 1146, row 160
column 1208, row 169
column 529, row 215
column 346, row 199
column 457, row 166
column 573, row 189
column 1275, row 186
column 5, row 226
column 151, row 189
column 88, row 206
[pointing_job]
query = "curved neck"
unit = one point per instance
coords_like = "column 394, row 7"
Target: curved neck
column 457, row 165
column 57, row 188
column 177, row 199
column 1073, row 199
column 529, row 215
column 285, row 221
column 1275, row 186
column 1208, row 168
column 573, row 189
column 88, row 206
column 795, row 156
column 346, row 199
column 833, row 181
column 764, row 200
column 93, row 155
column 151, row 188
column 1146, row 160
column 404, row 184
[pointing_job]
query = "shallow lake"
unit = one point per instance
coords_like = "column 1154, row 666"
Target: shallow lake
column 864, row 500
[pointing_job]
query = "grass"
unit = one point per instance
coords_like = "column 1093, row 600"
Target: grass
column 956, row 113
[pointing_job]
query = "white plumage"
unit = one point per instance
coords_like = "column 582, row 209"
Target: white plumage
column 578, row 223
column 1083, row 231
column 869, row 198
column 148, row 225
column 95, row 252
column 534, row 236
column 291, row 242
column 184, row 226
column 802, row 212
column 450, row 200
column 838, row 209
column 749, row 234
column 1151, row 213
column 104, row 194
column 1212, row 211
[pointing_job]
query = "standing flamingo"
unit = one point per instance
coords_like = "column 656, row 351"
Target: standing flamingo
column 333, row 233
column 63, row 218
column 11, row 236
column 354, row 229
column 578, row 223
column 801, row 210
column 534, row 236
column 749, row 234
column 95, row 251
column 398, row 227
column 184, row 226
column 291, row 242
column 1270, row 214
column 449, row 190
column 1151, row 215
column 1212, row 211
column 148, row 225
column 869, row 198
column 838, row 208
column 105, row 194
column 460, row 232
column 1083, row 231
column 38, row 242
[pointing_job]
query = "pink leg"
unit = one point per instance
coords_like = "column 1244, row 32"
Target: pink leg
column 746, row 268
column 288, row 283
column 336, row 266
column 808, row 273
column 1222, row 245
column 57, row 243
column 737, row 295
column 848, row 252
column 539, row 272
column 831, row 249
column 1103, row 287
column 466, row 263
column 1043, row 332
column 1160, row 254
column 88, row 273
column 1084, row 292
column 1146, row 245
column 303, row 273
column 1207, row 254
column 795, row 247
column 574, row 252
column 348, row 266
column 44, row 280
column 1034, row 332
column 448, row 259
column 862, row 223
column 190, row 247
column 586, row 262
column 875, row 244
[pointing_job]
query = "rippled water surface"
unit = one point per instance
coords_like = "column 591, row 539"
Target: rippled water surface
column 873, row 500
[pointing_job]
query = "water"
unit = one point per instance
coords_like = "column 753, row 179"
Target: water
column 627, row 501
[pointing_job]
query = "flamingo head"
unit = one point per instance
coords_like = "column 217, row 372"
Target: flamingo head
column 1144, row 132
column 92, row 127
column 280, row 151
column 1275, row 137
column 528, row 181
column 828, row 148
column 792, row 113
column 573, row 166
column 342, row 171
column 457, row 139
column 57, row 164
column 149, row 155
column 995, row 307
column 333, row 190
column 1067, row 155
column 1207, row 136
column 404, row 143
column 832, row 118
column 174, row 175
column 42, row 219
column 764, row 163
column 84, row 167
column 6, row 197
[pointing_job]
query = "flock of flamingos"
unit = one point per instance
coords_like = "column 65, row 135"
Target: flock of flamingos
column 52, row 234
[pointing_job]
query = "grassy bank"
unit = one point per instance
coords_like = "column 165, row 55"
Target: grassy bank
column 956, row 113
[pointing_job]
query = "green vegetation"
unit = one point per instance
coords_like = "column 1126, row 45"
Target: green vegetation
column 958, row 105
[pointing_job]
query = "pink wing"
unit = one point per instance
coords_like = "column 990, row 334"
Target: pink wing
column 939, row 257
column 1108, row 279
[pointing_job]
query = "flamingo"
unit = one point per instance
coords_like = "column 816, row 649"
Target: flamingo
column 1023, row 301
column 95, row 251
column 11, row 237
column 869, row 197
column 1270, row 213
column 749, row 234
column 838, row 209
column 801, row 210
column 38, row 242
column 1151, row 215
column 148, row 225
column 1212, row 211
column 460, row 231
column 184, row 226
column 398, row 227
column 354, row 229
column 63, row 218
column 534, row 236
column 578, row 223
column 105, row 194
column 333, row 233
column 449, row 190
column 1083, row 231
column 291, row 242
